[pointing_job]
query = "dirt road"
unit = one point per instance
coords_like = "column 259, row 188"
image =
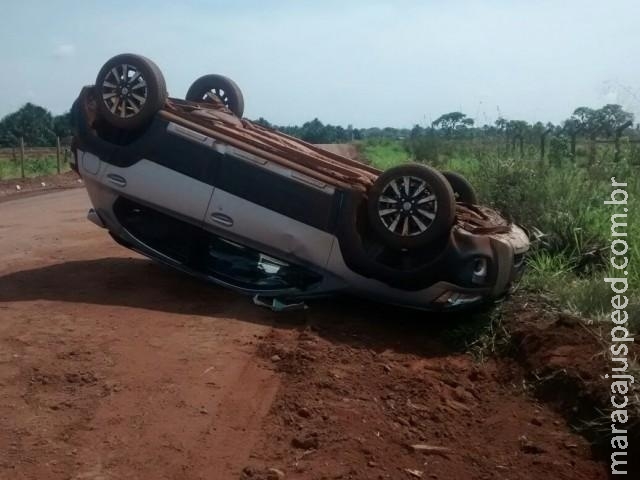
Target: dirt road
column 112, row 367
column 348, row 150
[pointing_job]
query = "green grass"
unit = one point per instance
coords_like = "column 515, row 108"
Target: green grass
column 33, row 167
column 383, row 153
column 565, row 204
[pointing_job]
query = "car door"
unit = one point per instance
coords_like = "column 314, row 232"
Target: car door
column 171, row 171
column 272, row 208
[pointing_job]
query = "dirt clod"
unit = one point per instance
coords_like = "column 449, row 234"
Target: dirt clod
column 275, row 474
column 536, row 421
column 307, row 442
column 413, row 472
column 304, row 413
column 431, row 449
column 528, row 446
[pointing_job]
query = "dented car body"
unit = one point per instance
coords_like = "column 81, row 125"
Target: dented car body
column 202, row 190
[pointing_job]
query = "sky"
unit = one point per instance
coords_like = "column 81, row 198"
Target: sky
column 366, row 63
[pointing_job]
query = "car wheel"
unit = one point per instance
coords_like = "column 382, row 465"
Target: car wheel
column 225, row 89
column 462, row 189
column 411, row 206
column 131, row 90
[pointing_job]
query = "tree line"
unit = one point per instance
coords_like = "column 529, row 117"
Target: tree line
column 38, row 127
column 607, row 124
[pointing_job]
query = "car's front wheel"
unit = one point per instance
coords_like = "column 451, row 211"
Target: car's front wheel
column 130, row 90
column 411, row 206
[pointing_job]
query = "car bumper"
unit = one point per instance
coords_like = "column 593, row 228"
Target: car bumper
column 508, row 259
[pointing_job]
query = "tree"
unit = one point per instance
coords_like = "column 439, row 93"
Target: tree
column 501, row 126
column 517, row 130
column 451, row 122
column 263, row 122
column 313, row 132
column 614, row 120
column 31, row 122
column 416, row 131
column 541, row 131
column 571, row 127
column 612, row 117
column 589, row 122
column 62, row 125
column 558, row 149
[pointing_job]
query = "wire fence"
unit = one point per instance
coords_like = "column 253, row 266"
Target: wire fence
column 25, row 161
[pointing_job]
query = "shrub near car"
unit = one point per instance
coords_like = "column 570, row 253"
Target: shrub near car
column 193, row 185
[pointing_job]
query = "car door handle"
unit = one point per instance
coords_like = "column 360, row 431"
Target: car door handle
column 117, row 180
column 222, row 219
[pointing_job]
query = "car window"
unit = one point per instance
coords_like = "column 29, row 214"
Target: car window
column 251, row 269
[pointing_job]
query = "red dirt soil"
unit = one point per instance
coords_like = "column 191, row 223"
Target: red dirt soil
column 371, row 395
column 114, row 367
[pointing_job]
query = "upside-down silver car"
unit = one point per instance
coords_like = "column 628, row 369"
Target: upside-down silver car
column 192, row 184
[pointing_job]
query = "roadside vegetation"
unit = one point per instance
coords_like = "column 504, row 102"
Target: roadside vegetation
column 34, row 166
column 36, row 127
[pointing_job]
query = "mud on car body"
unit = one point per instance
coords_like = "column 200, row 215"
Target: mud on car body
column 193, row 185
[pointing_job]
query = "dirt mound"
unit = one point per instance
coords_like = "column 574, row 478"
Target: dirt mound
column 566, row 361
column 367, row 398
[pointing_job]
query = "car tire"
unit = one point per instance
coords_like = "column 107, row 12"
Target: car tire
column 222, row 87
column 411, row 206
column 462, row 189
column 130, row 91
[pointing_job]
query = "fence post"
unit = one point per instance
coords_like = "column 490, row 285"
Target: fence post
column 22, row 156
column 58, row 154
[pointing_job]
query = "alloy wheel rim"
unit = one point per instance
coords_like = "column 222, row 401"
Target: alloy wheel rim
column 124, row 90
column 407, row 206
column 219, row 93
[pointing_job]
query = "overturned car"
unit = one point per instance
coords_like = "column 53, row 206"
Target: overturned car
column 193, row 185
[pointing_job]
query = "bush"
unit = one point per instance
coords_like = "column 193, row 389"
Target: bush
column 425, row 149
column 558, row 150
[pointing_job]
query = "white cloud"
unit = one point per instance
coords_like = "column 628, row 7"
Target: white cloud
column 64, row 50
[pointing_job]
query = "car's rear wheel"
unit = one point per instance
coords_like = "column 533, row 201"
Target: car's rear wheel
column 131, row 90
column 462, row 189
column 411, row 206
column 205, row 88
